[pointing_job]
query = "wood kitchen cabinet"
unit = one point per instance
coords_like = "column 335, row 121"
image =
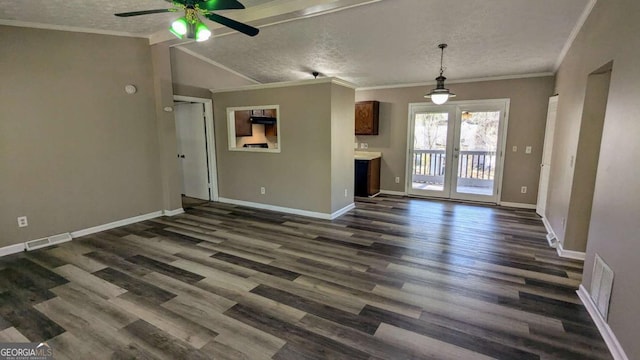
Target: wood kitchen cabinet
column 270, row 130
column 367, row 115
column 243, row 123
column 367, row 177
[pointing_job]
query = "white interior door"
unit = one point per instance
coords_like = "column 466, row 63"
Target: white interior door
column 456, row 150
column 192, row 149
column 545, row 166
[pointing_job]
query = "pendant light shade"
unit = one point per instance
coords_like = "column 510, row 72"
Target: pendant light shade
column 440, row 94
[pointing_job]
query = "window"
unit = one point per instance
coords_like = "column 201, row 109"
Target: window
column 254, row 128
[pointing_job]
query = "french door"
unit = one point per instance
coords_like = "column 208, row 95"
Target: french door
column 455, row 151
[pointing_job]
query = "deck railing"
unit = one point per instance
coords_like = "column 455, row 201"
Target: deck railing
column 474, row 165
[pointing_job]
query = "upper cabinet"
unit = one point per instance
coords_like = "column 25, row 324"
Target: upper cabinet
column 367, row 117
column 243, row 123
column 270, row 129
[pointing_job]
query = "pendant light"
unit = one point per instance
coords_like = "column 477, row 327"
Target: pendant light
column 440, row 94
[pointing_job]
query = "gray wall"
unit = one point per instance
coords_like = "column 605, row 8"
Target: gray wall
column 75, row 150
column 299, row 176
column 170, row 173
column 527, row 118
column 586, row 162
column 342, row 161
column 610, row 33
column 315, row 164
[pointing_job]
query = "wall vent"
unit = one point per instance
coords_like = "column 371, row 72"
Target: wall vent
column 48, row 241
column 601, row 285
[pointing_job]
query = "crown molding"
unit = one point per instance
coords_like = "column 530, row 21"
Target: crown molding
column 458, row 81
column 69, row 28
column 574, row 33
column 331, row 80
column 214, row 63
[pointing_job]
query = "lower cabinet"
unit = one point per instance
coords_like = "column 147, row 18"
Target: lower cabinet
column 367, row 177
column 243, row 123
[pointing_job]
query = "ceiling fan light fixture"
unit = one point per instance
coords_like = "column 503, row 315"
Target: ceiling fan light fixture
column 202, row 32
column 179, row 27
column 440, row 94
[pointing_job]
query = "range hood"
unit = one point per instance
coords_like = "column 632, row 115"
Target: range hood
column 265, row 120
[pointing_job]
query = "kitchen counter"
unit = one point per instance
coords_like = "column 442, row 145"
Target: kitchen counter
column 367, row 155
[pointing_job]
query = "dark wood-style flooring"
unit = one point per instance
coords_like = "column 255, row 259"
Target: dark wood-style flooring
column 395, row 278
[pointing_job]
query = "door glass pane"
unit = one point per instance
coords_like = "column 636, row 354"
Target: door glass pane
column 429, row 149
column 477, row 152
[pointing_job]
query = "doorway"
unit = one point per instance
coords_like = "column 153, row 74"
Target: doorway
column 196, row 149
column 456, row 150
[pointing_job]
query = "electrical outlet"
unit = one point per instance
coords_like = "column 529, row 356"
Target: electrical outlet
column 564, row 222
column 22, row 221
column 514, row 149
column 346, row 192
column 527, row 150
column 523, row 189
column 263, row 190
column 571, row 161
column 397, row 179
column 364, row 146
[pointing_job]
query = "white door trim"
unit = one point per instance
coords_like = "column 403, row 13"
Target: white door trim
column 211, row 141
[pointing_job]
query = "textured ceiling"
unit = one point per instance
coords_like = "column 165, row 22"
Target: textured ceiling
column 89, row 14
column 382, row 43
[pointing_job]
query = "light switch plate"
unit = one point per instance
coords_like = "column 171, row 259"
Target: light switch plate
column 514, row 149
column 527, row 150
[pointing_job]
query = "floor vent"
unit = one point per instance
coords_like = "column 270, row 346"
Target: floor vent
column 48, row 241
column 601, row 284
column 552, row 240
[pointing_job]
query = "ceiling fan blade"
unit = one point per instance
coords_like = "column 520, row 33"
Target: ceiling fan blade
column 143, row 12
column 213, row 5
column 235, row 25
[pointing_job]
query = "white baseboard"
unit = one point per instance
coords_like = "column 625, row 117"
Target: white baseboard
column 552, row 239
column 313, row 214
column 344, row 210
column 173, row 212
column 115, row 224
column 569, row 254
column 607, row 334
column 390, row 192
column 12, row 249
column 518, row 205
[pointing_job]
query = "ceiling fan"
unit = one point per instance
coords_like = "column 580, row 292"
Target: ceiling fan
column 189, row 26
